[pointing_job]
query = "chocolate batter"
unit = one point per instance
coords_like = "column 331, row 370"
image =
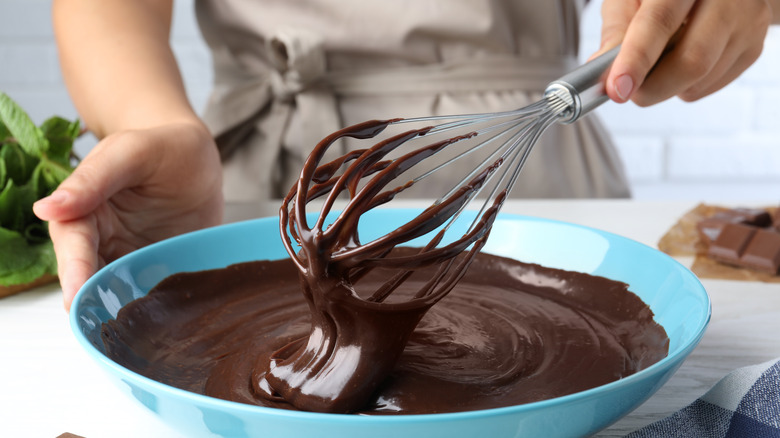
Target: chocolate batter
column 508, row 333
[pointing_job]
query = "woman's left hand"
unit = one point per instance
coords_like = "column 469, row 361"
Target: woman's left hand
column 705, row 44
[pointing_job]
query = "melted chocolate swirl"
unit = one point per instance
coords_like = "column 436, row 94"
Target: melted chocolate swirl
column 355, row 341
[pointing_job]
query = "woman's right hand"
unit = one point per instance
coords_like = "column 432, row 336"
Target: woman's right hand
column 134, row 188
column 693, row 48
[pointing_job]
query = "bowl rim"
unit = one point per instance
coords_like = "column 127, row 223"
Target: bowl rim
column 669, row 362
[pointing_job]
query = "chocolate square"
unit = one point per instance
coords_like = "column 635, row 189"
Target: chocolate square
column 763, row 251
column 750, row 216
column 731, row 243
column 709, row 229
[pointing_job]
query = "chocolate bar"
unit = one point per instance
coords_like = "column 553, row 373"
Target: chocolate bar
column 747, row 246
column 711, row 227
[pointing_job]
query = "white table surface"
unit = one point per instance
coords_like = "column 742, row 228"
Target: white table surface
column 49, row 386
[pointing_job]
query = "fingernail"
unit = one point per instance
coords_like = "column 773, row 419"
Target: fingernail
column 57, row 197
column 624, row 85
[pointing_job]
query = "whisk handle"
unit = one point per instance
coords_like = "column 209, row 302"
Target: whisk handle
column 583, row 88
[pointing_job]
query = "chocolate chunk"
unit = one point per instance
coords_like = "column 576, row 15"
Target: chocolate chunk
column 709, row 228
column 731, row 243
column 749, row 216
column 763, row 252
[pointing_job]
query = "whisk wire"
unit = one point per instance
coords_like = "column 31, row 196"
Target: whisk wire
column 523, row 132
column 458, row 121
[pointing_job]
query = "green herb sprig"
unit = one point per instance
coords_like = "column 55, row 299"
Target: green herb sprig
column 34, row 160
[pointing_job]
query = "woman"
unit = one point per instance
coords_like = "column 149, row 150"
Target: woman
column 289, row 72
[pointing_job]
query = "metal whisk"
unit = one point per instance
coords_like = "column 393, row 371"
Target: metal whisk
column 508, row 136
column 359, row 335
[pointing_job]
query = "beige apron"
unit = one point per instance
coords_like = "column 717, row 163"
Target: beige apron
column 289, row 72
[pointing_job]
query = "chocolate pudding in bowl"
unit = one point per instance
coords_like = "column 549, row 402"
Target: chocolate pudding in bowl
column 555, row 330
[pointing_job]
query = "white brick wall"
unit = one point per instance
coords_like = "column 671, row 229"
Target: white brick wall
column 725, row 147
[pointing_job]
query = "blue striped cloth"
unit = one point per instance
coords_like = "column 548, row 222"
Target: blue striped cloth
column 744, row 404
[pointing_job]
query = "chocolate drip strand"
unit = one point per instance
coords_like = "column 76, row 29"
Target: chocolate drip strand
column 355, row 341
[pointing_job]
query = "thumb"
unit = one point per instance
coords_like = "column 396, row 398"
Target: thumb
column 99, row 176
column 616, row 16
column 75, row 197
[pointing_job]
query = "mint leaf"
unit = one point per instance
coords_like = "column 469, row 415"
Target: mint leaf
column 5, row 134
column 3, row 173
column 16, row 206
column 19, row 165
column 21, row 262
column 61, row 134
column 14, row 252
column 33, row 162
column 21, row 127
column 49, row 174
column 55, row 164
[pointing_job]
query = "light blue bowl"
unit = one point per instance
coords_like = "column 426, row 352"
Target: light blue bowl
column 675, row 295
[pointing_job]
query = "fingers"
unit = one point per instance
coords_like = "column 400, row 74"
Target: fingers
column 699, row 50
column 652, row 26
column 734, row 37
column 718, row 78
column 107, row 169
column 616, row 15
column 681, row 48
column 75, row 243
